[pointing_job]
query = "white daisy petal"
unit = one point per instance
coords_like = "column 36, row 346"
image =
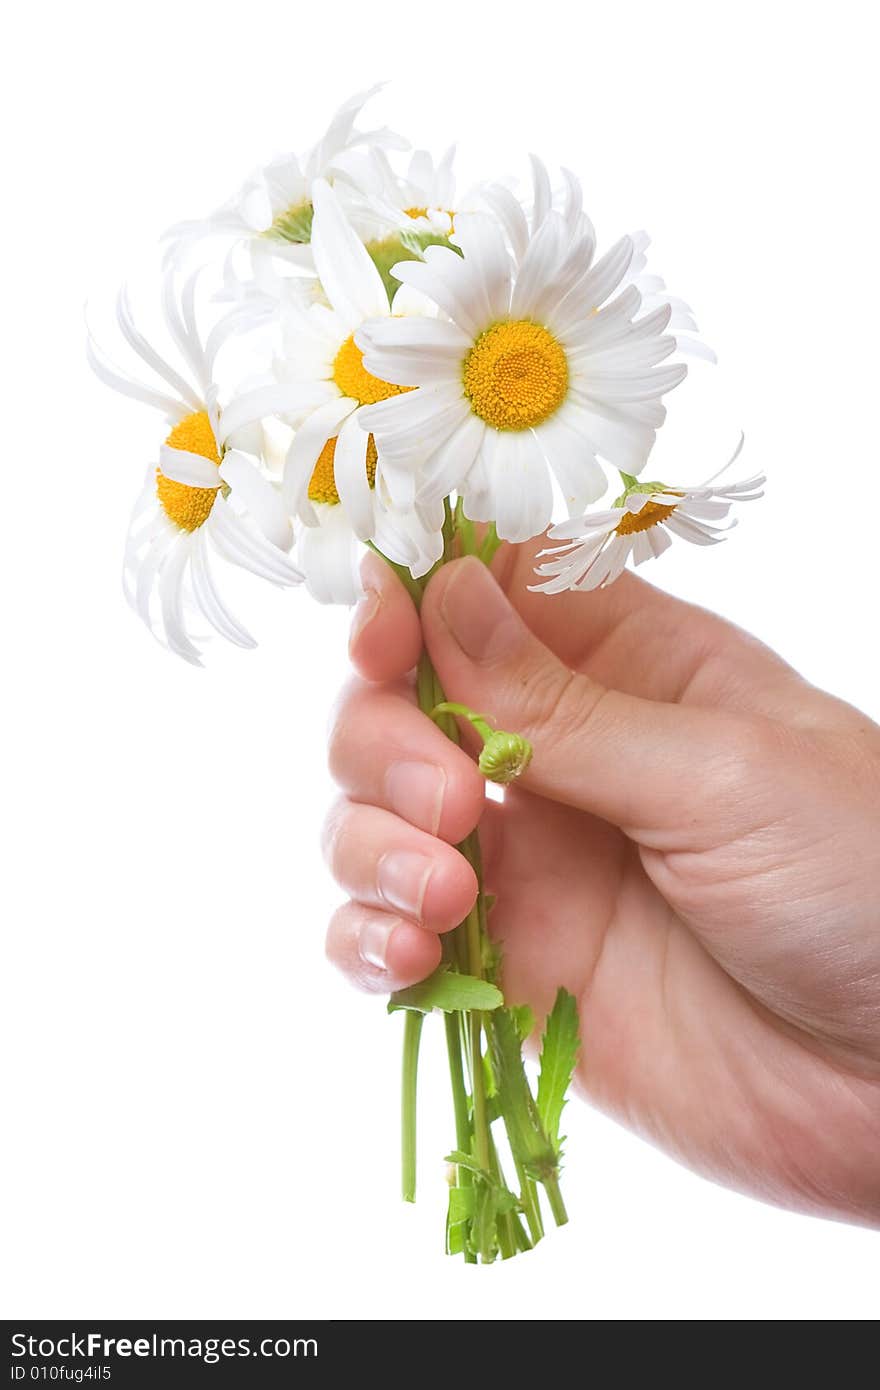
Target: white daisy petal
column 117, row 381
column 329, row 555
column 283, row 399
column 245, row 547
column 413, row 352
column 258, row 497
column 542, row 193
column 436, row 277
column 511, row 216
column 209, row 601
column 414, row 417
column 309, row 440
column 450, row 464
column 171, row 601
column 183, row 467
column 521, row 485
column 351, row 281
column 595, row 287
column 569, row 452
column 147, row 572
column 484, row 274
column 148, row 354
column 350, row 469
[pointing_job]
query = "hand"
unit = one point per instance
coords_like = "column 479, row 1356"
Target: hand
column 694, row 853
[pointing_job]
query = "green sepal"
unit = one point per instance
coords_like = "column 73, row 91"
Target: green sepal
column 293, row 225
column 401, row 246
column 449, row 991
column 560, row 1046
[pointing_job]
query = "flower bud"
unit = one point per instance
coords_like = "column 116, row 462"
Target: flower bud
column 505, row 757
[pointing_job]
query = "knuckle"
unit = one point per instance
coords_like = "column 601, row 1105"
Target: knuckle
column 338, row 930
column 334, row 830
column 339, row 736
column 569, row 703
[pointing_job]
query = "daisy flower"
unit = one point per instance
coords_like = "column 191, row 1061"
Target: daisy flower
column 201, row 499
column 419, row 202
column 335, row 480
column 641, row 524
column 535, row 372
column 275, row 203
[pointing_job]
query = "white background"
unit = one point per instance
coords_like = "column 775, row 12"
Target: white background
column 201, row 1115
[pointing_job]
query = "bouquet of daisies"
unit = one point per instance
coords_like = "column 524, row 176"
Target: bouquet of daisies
column 429, row 374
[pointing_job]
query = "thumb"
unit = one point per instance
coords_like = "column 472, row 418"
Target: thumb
column 670, row 775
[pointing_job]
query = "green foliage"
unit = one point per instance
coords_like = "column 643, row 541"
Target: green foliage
column 560, row 1046
column 523, row 1019
column 449, row 991
column 529, row 1144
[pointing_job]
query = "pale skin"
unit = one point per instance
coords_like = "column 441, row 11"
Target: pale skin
column 694, row 853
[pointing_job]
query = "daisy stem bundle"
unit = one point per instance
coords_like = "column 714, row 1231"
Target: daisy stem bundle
column 484, row 1037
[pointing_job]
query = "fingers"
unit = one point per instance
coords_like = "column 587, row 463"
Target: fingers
column 386, row 638
column 384, row 863
column 380, row 951
column 644, row 642
column 650, row 767
column 385, row 752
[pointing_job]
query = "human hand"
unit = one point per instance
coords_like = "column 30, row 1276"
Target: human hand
column 694, row 852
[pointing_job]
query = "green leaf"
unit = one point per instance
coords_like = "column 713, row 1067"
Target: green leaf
column 463, row 1160
column 524, row 1020
column 449, row 991
column 529, row 1144
column 456, row 1238
column 462, row 1204
column 560, row 1046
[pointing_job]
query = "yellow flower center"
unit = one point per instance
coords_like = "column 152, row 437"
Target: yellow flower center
column 189, row 507
column 322, row 485
column 354, row 381
column 516, row 375
column 416, row 212
column 651, row 515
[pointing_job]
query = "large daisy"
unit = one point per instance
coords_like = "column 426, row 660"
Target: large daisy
column 335, row 479
column 202, row 499
column 537, row 370
column 642, row 523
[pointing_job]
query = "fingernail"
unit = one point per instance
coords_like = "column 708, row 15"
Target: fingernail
column 477, row 613
column 363, row 616
column 415, row 791
column 402, row 878
column 374, row 939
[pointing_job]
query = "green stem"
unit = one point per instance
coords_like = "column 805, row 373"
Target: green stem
column 554, row 1197
column 412, row 1034
column 528, row 1192
column 460, row 1106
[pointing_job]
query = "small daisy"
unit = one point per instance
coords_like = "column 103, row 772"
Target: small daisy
column 641, row 524
column 203, row 499
column 420, row 202
column 536, row 371
column 274, row 205
column 335, row 480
